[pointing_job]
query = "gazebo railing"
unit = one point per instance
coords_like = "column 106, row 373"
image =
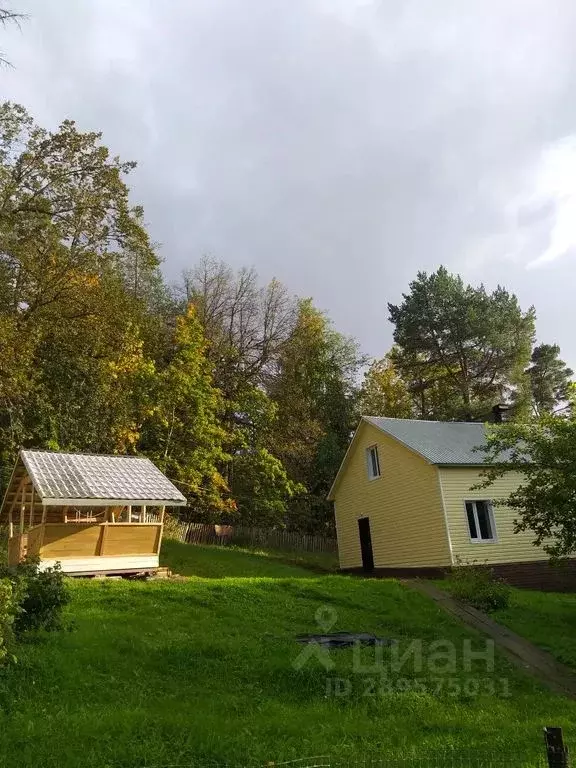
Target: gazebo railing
column 52, row 541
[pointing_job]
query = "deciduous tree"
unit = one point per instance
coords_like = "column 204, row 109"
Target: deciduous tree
column 183, row 433
column 384, row 393
column 544, row 452
column 8, row 16
column 69, row 309
column 315, row 389
column 245, row 324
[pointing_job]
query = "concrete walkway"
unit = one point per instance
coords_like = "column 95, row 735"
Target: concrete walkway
column 521, row 652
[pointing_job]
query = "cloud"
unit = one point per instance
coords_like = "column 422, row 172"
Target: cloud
column 340, row 145
column 556, row 188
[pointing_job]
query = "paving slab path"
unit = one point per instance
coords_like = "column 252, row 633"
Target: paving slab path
column 521, row 652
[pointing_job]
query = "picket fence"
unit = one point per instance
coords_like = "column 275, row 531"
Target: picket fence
column 204, row 533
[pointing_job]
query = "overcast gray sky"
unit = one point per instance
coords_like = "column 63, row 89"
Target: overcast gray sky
column 339, row 145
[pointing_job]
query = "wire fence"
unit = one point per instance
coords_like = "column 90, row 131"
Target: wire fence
column 237, row 535
column 437, row 759
column 444, row 759
column 549, row 753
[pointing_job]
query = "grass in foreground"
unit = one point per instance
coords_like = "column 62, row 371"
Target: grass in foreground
column 203, row 669
column 548, row 619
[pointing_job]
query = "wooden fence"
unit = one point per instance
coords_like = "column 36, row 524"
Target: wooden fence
column 203, row 533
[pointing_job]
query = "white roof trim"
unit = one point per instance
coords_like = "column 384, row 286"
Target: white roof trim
column 398, row 439
column 330, row 496
column 49, row 502
column 367, row 420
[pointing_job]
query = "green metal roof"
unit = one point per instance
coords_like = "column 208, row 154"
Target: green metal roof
column 439, row 442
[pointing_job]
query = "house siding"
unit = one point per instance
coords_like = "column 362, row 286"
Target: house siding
column 509, row 547
column 404, row 506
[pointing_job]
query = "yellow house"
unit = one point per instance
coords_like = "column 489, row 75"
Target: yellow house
column 405, row 505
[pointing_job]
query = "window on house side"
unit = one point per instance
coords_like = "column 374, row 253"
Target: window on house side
column 480, row 521
column 373, row 462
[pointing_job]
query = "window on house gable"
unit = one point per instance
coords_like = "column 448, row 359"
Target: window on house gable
column 480, row 521
column 373, row 462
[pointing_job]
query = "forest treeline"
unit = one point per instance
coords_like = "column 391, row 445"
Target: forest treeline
column 244, row 395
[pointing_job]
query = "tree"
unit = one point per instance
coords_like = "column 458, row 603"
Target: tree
column 258, row 481
column 91, row 381
column 549, row 378
column 461, row 339
column 314, row 387
column 64, row 212
column 8, row 17
column 384, row 393
column 183, row 434
column 261, row 488
column 245, row 324
column 67, row 237
column 544, row 451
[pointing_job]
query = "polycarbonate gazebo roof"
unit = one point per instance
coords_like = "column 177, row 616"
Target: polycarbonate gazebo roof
column 91, row 479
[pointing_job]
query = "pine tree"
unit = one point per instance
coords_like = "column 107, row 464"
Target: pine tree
column 461, row 340
column 549, row 378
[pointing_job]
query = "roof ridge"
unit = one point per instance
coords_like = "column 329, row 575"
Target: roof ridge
column 85, row 453
column 424, row 421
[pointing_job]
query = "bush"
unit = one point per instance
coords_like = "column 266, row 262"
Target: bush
column 3, row 545
column 478, row 586
column 40, row 595
column 9, row 610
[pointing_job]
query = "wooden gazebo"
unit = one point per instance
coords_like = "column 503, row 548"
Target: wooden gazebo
column 93, row 514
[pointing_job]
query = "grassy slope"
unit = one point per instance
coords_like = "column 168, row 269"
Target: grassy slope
column 546, row 618
column 168, row 672
column 216, row 562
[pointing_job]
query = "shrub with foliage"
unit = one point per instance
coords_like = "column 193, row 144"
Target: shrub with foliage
column 40, row 595
column 8, row 613
column 478, row 586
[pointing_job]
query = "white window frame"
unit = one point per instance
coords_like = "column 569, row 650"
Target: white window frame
column 491, row 520
column 371, row 475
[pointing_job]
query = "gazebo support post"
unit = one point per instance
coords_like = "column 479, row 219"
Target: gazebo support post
column 32, row 506
column 44, row 515
column 22, row 508
column 160, row 530
column 15, row 501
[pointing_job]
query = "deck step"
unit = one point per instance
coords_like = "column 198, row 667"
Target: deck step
column 147, row 573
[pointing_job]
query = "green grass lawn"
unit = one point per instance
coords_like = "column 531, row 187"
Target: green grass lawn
column 546, row 618
column 219, row 561
column 199, row 670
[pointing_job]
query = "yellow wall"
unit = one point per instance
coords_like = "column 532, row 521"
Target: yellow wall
column 404, row 506
column 74, row 540
column 509, row 547
column 69, row 540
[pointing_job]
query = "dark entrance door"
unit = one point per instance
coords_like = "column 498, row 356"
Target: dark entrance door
column 366, row 544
